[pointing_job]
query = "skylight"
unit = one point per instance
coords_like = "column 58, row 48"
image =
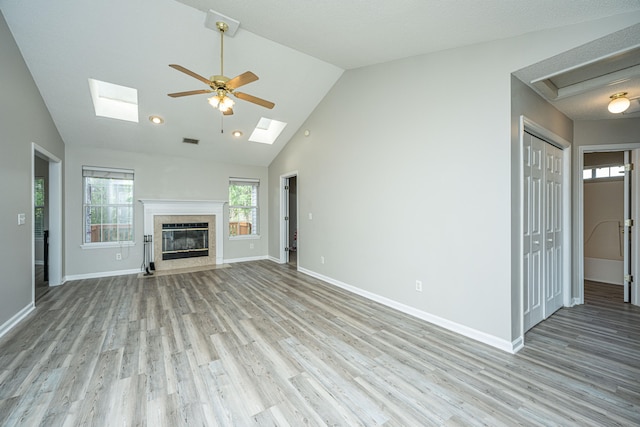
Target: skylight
column 267, row 131
column 114, row 101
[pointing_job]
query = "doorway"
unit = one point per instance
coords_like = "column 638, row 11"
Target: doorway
column 41, row 225
column 608, row 213
column 46, row 231
column 545, row 223
column 289, row 239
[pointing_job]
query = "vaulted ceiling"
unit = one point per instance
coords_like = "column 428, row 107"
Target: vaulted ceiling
column 297, row 48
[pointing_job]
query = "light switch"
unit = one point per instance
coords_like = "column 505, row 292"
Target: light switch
column 310, row 215
column 22, row 219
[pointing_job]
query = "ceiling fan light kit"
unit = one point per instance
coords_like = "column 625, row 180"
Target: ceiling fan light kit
column 619, row 103
column 221, row 85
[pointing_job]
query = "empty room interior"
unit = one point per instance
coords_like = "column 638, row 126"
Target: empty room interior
column 331, row 213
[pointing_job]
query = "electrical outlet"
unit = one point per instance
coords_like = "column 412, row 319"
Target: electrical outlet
column 321, row 260
column 118, row 256
column 418, row 285
column 251, row 246
column 310, row 215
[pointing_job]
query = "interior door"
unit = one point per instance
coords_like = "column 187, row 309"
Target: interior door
column 532, row 227
column 293, row 219
column 542, row 230
column 285, row 223
column 626, row 238
column 553, row 230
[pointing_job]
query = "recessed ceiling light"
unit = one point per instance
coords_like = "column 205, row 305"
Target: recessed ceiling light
column 236, row 133
column 156, row 120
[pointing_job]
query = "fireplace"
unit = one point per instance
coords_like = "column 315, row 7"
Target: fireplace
column 185, row 243
column 185, row 240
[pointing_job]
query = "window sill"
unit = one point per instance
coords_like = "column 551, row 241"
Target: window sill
column 245, row 237
column 107, row 245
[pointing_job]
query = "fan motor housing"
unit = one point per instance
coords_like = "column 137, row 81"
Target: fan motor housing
column 219, row 80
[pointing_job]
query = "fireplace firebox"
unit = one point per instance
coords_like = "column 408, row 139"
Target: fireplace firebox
column 185, row 240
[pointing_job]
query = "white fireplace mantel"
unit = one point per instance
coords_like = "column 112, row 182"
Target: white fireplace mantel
column 153, row 207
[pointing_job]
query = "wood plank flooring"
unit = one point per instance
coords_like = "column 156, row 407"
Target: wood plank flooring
column 261, row 344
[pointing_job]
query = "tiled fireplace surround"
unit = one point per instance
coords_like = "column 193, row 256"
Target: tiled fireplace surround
column 158, row 212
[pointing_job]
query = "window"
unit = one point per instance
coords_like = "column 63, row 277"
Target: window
column 243, row 207
column 38, row 208
column 108, row 205
column 603, row 172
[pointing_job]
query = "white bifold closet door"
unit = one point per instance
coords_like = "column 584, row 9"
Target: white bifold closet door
column 542, row 228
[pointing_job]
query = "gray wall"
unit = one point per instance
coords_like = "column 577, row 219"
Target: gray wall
column 603, row 215
column 24, row 119
column 602, row 132
column 408, row 175
column 156, row 177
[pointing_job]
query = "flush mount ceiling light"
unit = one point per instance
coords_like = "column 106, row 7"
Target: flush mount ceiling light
column 236, row 133
column 619, row 103
column 157, row 120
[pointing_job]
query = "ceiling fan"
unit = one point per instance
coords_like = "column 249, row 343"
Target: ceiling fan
column 221, row 85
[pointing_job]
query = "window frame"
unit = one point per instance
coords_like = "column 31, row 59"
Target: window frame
column 594, row 176
column 107, row 173
column 255, row 224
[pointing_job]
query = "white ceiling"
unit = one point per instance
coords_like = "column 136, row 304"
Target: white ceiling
column 298, row 48
column 581, row 81
column 356, row 33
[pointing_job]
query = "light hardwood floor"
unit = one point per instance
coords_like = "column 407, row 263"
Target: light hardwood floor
column 261, row 344
column 41, row 286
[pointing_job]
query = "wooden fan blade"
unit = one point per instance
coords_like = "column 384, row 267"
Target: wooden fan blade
column 228, row 112
column 262, row 102
column 241, row 80
column 189, row 92
column 191, row 73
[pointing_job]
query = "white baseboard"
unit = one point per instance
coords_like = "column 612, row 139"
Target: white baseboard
column 245, row 259
column 517, row 345
column 39, row 262
column 16, row 318
column 100, row 274
column 276, row 260
column 483, row 337
column 604, row 271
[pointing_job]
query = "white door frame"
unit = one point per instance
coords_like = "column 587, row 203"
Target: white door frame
column 55, row 216
column 284, row 195
column 635, row 234
column 537, row 130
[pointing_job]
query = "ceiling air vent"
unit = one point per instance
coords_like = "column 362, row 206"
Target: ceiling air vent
column 190, row 141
